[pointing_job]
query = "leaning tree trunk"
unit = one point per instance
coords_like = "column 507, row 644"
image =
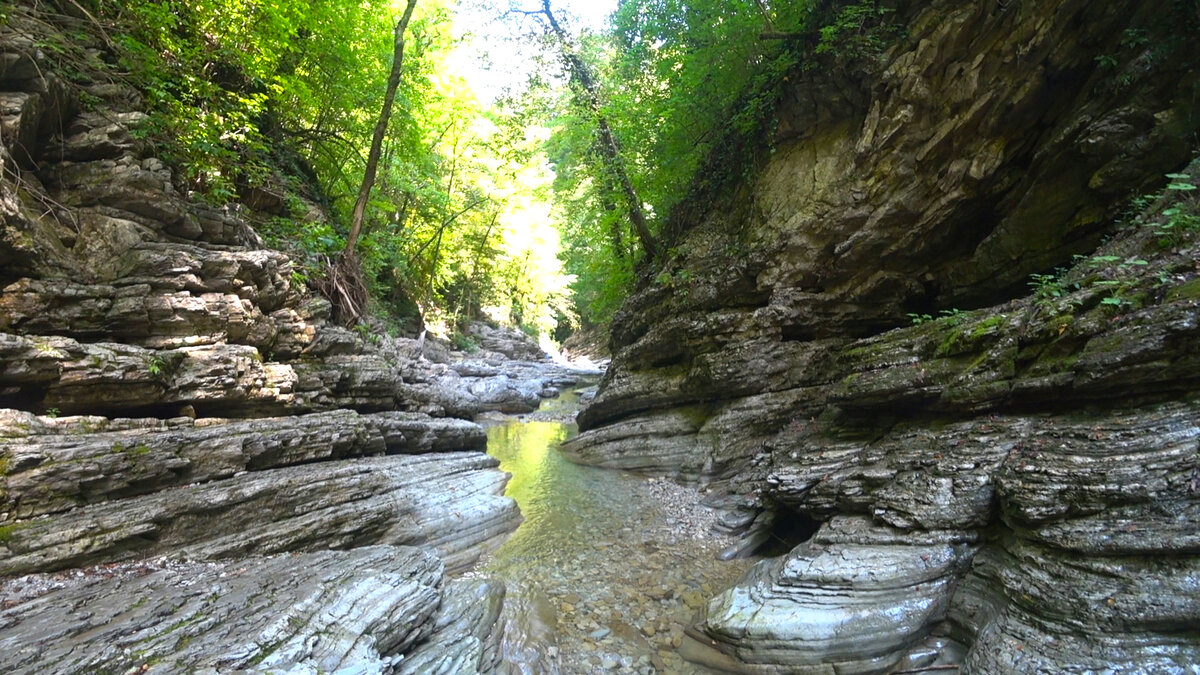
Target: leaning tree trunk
column 614, row 164
column 350, row 298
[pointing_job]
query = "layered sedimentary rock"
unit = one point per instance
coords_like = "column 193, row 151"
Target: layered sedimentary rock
column 1021, row 466
column 484, row 627
column 167, row 388
column 156, row 322
column 331, row 611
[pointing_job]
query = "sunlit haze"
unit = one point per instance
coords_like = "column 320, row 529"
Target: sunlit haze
column 495, row 52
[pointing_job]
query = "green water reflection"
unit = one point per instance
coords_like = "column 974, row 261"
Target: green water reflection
column 564, row 504
column 611, row 552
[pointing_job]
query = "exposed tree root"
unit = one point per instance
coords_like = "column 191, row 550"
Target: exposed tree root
column 345, row 287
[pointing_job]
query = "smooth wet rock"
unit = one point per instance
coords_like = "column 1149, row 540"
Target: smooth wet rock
column 847, row 599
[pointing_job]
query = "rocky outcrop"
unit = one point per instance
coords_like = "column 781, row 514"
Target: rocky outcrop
column 1009, row 488
column 849, row 599
column 169, row 388
column 484, row 627
column 93, row 459
column 298, row 483
column 512, row 344
column 364, row 610
column 159, row 323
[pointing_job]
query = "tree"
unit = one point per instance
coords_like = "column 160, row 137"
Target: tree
column 606, row 141
column 346, row 278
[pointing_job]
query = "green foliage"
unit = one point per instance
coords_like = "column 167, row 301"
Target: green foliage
column 1178, row 221
column 1179, row 182
column 464, row 343
column 950, row 317
column 1107, row 62
column 1047, row 288
column 858, row 31
column 682, row 80
column 205, row 68
column 252, row 94
column 1116, row 277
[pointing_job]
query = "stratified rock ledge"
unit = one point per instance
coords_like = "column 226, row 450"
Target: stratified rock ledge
column 355, row 611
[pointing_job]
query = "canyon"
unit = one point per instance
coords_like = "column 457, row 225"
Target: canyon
column 941, row 337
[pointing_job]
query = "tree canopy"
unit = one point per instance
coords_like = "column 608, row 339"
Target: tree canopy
column 535, row 207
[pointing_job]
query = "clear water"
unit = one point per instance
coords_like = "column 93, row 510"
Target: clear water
column 624, row 560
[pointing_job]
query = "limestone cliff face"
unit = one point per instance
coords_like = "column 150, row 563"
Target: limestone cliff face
column 166, row 388
column 1012, row 486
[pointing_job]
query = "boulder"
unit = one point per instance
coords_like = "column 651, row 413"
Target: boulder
column 855, row 598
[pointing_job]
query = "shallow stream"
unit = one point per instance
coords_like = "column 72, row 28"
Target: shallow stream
column 624, row 560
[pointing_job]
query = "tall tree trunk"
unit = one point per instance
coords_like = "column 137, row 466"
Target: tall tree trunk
column 364, row 192
column 606, row 141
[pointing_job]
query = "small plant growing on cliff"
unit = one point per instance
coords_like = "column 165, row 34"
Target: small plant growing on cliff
column 52, row 413
column 1134, row 38
column 1179, row 182
column 1049, row 287
column 364, row 331
column 1178, row 221
column 861, row 30
column 951, row 317
column 1122, row 285
column 680, row 277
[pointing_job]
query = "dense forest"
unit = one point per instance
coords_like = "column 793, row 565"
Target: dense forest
column 537, row 204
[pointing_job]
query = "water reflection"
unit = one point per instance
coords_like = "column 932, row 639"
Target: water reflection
column 561, row 502
column 624, row 561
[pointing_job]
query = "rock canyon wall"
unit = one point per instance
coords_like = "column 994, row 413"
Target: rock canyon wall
column 869, row 339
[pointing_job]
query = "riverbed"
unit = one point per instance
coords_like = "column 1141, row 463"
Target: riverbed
column 625, row 560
